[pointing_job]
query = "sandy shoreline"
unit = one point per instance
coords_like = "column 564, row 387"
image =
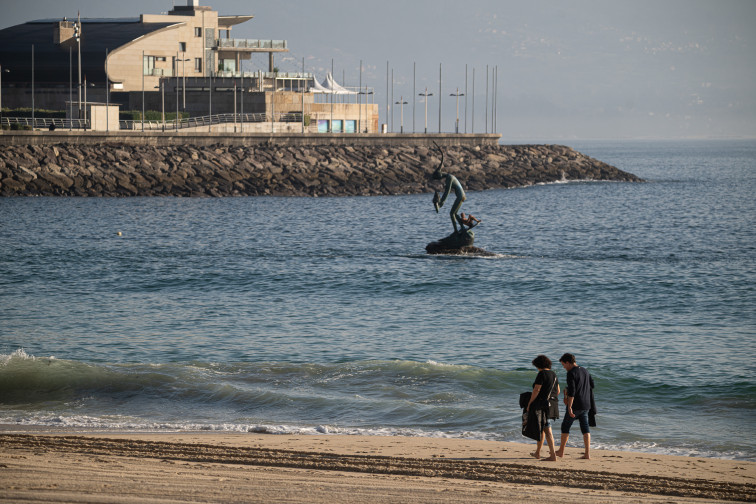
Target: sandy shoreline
column 55, row 466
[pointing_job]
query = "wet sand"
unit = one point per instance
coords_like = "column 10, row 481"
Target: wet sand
column 56, row 466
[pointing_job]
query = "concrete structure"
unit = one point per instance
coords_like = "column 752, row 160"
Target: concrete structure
column 102, row 117
column 205, row 139
column 182, row 61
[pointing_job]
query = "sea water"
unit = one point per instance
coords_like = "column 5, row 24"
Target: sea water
column 325, row 315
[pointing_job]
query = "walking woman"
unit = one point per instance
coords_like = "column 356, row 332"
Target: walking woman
column 543, row 406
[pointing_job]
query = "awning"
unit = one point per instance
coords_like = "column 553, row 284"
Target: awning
column 330, row 86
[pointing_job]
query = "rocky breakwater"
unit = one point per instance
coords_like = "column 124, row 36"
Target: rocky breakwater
column 125, row 170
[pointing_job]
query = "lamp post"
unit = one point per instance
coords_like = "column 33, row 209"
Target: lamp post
column 177, row 87
column 472, row 125
column 2, row 70
column 161, row 87
column 175, row 70
column 210, row 106
column 401, row 104
column 367, row 94
column 85, row 102
column 241, row 96
column 457, row 95
column 70, row 88
column 359, row 103
column 426, row 95
column 439, row 98
column 88, row 116
column 142, row 91
column 107, row 94
column 77, row 35
column 183, row 80
column 32, row 87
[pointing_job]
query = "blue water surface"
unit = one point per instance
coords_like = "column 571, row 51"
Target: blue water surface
column 289, row 314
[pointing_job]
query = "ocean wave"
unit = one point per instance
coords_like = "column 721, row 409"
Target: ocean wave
column 386, row 397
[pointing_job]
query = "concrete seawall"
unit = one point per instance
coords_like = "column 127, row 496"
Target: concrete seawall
column 205, row 138
column 112, row 169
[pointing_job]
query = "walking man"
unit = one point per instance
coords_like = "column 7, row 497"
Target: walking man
column 577, row 398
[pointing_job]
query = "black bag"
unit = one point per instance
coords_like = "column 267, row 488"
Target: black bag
column 525, row 399
column 532, row 423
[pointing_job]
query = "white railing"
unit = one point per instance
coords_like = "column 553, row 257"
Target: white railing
column 45, row 122
column 199, row 121
column 251, row 44
column 160, row 72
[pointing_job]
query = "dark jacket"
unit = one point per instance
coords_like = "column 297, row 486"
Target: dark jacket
column 533, row 423
column 545, row 407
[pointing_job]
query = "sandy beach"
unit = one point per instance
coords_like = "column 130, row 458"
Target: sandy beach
column 57, row 466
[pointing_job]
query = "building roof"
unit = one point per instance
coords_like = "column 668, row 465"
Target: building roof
column 51, row 62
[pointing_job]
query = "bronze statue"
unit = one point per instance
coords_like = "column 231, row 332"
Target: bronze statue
column 450, row 183
column 460, row 242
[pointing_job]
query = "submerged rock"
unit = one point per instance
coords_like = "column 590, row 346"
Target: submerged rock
column 452, row 244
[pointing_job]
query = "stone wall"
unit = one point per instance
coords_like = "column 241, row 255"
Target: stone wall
column 222, row 170
column 204, row 138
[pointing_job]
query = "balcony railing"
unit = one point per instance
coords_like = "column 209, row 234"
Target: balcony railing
column 251, row 44
column 160, row 72
column 265, row 75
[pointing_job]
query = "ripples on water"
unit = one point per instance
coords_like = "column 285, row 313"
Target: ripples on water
column 301, row 312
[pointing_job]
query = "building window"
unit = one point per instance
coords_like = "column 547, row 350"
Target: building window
column 197, row 64
column 227, row 65
column 148, row 65
column 182, row 46
column 198, row 32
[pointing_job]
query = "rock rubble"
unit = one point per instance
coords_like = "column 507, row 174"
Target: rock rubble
column 128, row 170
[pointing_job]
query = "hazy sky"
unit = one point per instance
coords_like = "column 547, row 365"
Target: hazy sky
column 582, row 69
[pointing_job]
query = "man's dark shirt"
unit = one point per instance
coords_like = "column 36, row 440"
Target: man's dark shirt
column 579, row 385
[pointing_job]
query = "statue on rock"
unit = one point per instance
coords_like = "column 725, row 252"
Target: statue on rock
column 461, row 240
column 450, row 182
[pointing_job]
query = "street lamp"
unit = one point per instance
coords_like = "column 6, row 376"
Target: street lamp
column 457, row 94
column 32, row 69
column 70, row 88
column 91, row 84
column 177, row 87
column 367, row 121
column 183, row 79
column 142, row 91
column 426, row 95
column 77, row 37
column 401, row 104
column 2, row 70
column 161, row 87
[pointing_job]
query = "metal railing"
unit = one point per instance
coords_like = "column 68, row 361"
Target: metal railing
column 160, row 72
column 264, row 75
column 190, row 122
column 251, row 44
column 45, row 122
column 200, row 121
